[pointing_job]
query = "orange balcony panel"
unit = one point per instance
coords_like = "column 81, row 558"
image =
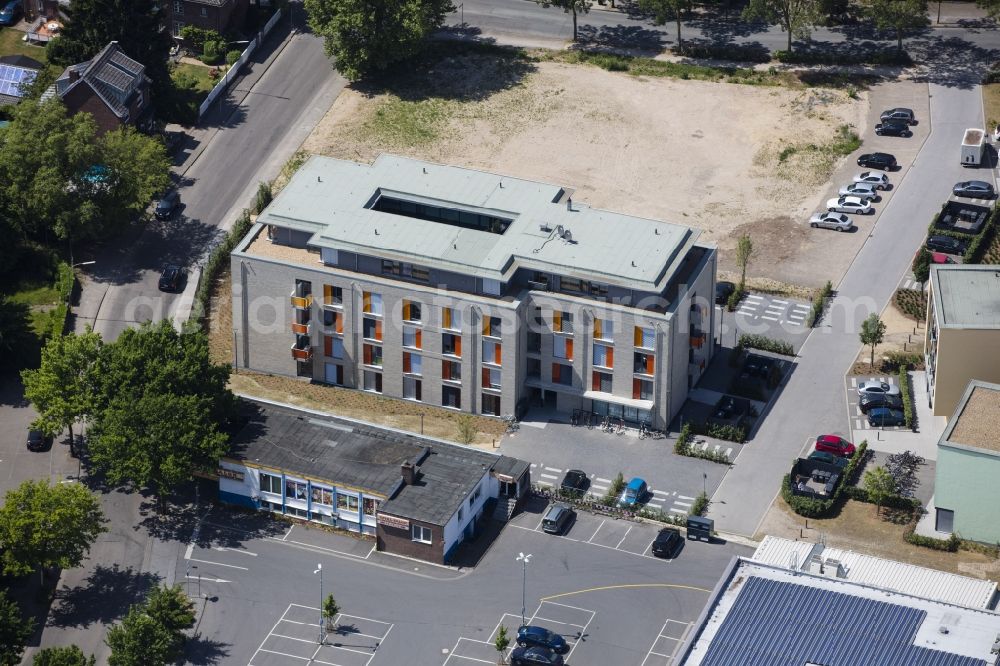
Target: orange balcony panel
column 302, row 302
column 300, row 329
column 302, row 354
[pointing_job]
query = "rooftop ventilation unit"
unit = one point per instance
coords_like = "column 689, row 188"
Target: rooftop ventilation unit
column 545, row 227
column 567, row 236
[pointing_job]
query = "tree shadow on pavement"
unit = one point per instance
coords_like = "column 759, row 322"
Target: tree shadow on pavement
column 106, row 596
column 202, row 651
column 717, row 29
column 633, row 38
column 952, row 61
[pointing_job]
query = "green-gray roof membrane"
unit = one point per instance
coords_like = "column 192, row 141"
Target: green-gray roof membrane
column 332, row 199
column 968, row 296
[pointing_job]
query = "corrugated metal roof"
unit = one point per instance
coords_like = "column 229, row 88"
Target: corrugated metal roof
column 881, row 573
column 967, row 295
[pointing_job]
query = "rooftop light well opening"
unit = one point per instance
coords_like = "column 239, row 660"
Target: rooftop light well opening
column 442, row 212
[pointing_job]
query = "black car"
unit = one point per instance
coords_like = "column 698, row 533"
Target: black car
column 899, row 115
column 534, row 636
column 883, row 161
column 575, row 482
column 667, row 543
column 893, row 128
column 870, row 401
column 723, row 290
column 946, row 244
column 532, row 656
column 166, row 206
column 974, row 189
column 884, row 416
column 170, row 278
column 38, row 441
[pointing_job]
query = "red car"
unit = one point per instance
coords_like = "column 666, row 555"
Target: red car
column 835, row 445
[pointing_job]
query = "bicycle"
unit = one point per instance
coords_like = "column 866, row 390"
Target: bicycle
column 621, row 427
column 643, row 432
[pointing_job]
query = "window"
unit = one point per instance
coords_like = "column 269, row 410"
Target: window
column 371, row 303
column 491, row 327
column 178, row 8
column 296, row 489
column 477, row 493
column 451, row 319
column 335, row 320
column 491, row 287
column 371, row 329
column 411, row 311
column 412, row 388
column 451, row 216
column 451, row 371
column 604, row 329
column 451, row 396
column 370, row 505
column 643, row 363
column 562, row 374
column 491, row 378
column 534, row 343
column 204, row 12
column 321, row 495
column 604, row 356
column 601, row 381
column 373, row 355
column 420, row 533
column 562, row 322
column 329, row 256
column 492, row 352
column 347, row 503
column 334, row 374
column 491, row 405
column 412, row 337
column 534, row 368
column 644, row 337
column 178, row 25
column 642, row 389
column 451, row 344
column 461, row 514
column 269, row 483
column 333, row 347
column 333, row 295
column 373, row 381
column 562, row 347
column 403, row 269
column 412, row 363
column 570, row 284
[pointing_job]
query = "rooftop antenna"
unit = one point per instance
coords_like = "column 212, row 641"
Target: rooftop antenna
column 318, row 179
column 425, row 169
column 569, row 203
column 501, row 183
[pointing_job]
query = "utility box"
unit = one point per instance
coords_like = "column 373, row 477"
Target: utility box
column 699, row 528
column 973, row 147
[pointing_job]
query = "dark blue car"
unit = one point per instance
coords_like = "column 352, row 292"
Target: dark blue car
column 10, row 13
column 535, row 656
column 885, row 416
column 534, row 636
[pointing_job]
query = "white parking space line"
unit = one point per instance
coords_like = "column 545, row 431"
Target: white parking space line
column 218, row 564
column 656, row 505
column 679, row 503
column 548, row 476
column 680, row 511
column 778, row 300
column 660, row 492
column 595, row 531
column 603, row 489
column 283, row 654
column 623, row 537
column 545, row 483
column 603, row 480
column 854, row 382
column 753, row 297
column 553, row 469
column 769, row 318
column 234, row 550
column 685, row 497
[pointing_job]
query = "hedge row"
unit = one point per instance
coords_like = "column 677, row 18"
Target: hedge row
column 734, row 52
column 764, row 343
column 819, row 304
column 912, row 302
column 810, row 507
column 55, row 319
column 893, row 57
column 213, row 267
column 951, row 544
column 859, row 494
column 907, row 396
column 981, row 243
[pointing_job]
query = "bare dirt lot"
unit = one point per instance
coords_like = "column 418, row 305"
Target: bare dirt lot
column 722, row 157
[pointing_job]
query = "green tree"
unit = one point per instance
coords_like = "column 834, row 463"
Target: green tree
column 879, row 485
column 44, row 526
column 796, row 17
column 665, row 10
column 196, row 37
column 897, row 15
column 15, row 630
column 330, row 611
column 172, row 608
column 992, row 8
column 574, row 7
column 138, row 168
column 60, row 388
column 922, row 266
column 501, row 643
column 367, row 36
column 139, row 640
column 62, row 656
column 872, row 333
column 744, row 253
column 16, row 337
column 466, row 429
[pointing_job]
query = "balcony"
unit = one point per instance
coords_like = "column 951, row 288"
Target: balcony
column 302, row 302
column 538, row 285
column 302, row 353
column 697, row 339
column 302, row 329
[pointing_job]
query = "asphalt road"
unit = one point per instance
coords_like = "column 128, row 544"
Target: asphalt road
column 249, row 139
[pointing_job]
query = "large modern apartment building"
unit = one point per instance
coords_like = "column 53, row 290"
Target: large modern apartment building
column 472, row 291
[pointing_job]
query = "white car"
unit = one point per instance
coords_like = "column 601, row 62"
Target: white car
column 873, row 387
column 850, row 205
column 879, row 180
column 863, row 190
column 837, row 221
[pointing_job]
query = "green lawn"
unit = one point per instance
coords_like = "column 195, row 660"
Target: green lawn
column 191, row 84
column 11, row 44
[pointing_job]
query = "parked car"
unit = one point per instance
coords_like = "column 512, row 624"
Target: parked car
column 879, row 181
column 884, row 416
column 557, row 518
column 634, row 493
column 829, row 458
column 167, row 204
column 170, row 278
column 899, row 114
column 668, row 542
column 877, row 387
column 532, row 656
column 835, row 445
column 38, row 441
column 862, row 190
column 893, row 128
column 883, row 161
column 837, row 221
column 530, row 635
column 870, row 401
column 850, row 205
column 723, row 290
column 946, row 244
column 575, row 482
column 974, row 189
column 11, row 13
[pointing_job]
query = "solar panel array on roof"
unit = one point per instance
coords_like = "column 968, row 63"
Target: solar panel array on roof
column 12, row 79
column 773, row 623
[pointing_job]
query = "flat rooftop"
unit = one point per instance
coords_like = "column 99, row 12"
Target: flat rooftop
column 335, row 201
column 967, row 295
column 977, row 418
column 763, row 615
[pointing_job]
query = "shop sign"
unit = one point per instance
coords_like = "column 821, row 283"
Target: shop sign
column 229, row 474
column 393, row 521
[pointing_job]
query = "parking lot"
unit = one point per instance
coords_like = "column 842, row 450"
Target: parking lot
column 859, row 423
column 781, row 318
column 662, row 652
column 295, row 638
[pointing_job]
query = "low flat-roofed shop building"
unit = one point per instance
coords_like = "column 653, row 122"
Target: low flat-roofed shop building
column 419, row 497
column 472, row 291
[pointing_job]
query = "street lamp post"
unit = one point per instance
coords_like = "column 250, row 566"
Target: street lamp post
column 523, row 559
column 319, row 570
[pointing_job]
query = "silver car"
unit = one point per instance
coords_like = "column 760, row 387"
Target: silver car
column 863, row 190
column 879, row 180
column 875, row 386
column 850, row 205
column 837, row 221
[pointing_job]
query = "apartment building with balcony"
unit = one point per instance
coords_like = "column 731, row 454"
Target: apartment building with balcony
column 962, row 333
column 472, row 291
